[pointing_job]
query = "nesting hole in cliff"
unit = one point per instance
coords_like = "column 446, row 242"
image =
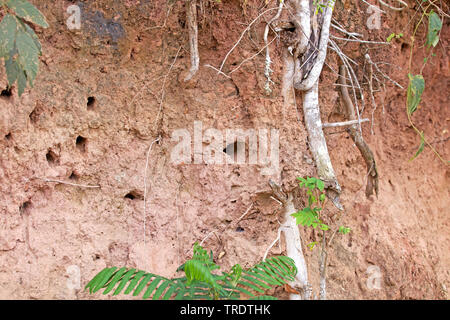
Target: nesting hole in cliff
column 81, row 143
column 74, row 176
column 91, row 103
column 34, row 116
column 8, row 136
column 6, row 93
column 182, row 22
column 134, row 195
column 239, row 229
column 52, row 158
column 231, row 149
column 404, row 47
column 25, row 207
column 234, row 148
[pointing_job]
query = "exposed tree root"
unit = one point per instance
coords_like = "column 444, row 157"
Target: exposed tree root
column 191, row 15
column 268, row 62
column 293, row 244
column 308, row 67
column 372, row 181
column 314, row 57
column 323, row 269
column 318, row 145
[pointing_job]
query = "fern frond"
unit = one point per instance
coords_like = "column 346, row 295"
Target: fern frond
column 264, row 298
column 155, row 286
column 199, row 283
column 274, row 271
column 197, row 270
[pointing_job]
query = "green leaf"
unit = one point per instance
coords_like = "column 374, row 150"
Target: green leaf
column 28, row 12
column 134, row 281
column 101, row 281
column 302, row 182
column 320, row 185
column 197, row 270
column 170, row 292
column 35, row 38
column 93, row 283
column 344, row 230
column 114, row 280
column 414, row 93
column 251, row 286
column 306, row 217
column 324, row 227
column 434, row 26
column 311, row 245
column 22, row 82
column 8, row 30
column 421, row 147
column 264, row 298
column 151, row 287
column 311, row 182
column 236, row 272
column 142, row 284
column 12, row 70
column 124, row 281
column 28, row 55
column 391, row 36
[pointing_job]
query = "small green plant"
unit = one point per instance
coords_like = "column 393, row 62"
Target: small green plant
column 394, row 35
column 19, row 45
column 199, row 282
column 310, row 215
column 312, row 245
column 321, row 6
column 344, row 230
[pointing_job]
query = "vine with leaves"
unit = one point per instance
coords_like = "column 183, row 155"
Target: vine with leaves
column 416, row 84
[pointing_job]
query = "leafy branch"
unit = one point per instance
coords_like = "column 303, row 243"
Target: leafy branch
column 19, row 45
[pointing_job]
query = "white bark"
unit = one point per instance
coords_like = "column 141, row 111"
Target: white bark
column 313, row 76
column 191, row 17
column 294, row 249
column 323, row 269
column 302, row 23
column 311, row 108
column 318, row 144
column 344, row 123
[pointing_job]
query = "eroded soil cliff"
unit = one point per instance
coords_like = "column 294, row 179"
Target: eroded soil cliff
column 106, row 92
